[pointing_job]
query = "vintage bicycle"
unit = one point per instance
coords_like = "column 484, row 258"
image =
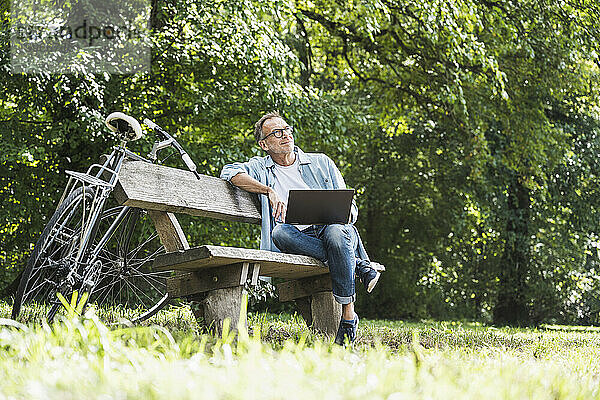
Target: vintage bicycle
column 95, row 246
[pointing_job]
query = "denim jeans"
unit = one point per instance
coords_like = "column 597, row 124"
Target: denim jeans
column 335, row 244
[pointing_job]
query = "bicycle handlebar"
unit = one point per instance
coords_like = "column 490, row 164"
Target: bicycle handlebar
column 170, row 141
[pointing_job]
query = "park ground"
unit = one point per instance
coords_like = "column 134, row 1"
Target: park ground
column 100, row 355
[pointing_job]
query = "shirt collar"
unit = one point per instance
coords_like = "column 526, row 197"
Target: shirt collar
column 302, row 158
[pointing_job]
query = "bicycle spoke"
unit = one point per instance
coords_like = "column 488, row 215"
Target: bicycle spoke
column 107, row 289
column 135, row 292
column 147, row 279
column 137, row 249
column 110, row 289
column 149, row 257
column 50, row 284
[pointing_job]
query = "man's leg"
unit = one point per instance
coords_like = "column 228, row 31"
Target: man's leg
column 335, row 244
column 367, row 272
column 290, row 239
column 340, row 243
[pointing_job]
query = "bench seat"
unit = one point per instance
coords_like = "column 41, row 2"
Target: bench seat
column 213, row 278
column 277, row 265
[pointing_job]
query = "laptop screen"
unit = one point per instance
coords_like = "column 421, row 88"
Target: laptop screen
column 319, row 207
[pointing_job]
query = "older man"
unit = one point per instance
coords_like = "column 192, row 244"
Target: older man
column 339, row 246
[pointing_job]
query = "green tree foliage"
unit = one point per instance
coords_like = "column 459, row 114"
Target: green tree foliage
column 468, row 127
column 476, row 83
column 211, row 72
column 216, row 67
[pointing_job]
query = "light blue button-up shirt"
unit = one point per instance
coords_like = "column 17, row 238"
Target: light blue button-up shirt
column 317, row 170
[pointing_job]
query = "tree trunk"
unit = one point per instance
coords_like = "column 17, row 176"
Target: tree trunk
column 511, row 307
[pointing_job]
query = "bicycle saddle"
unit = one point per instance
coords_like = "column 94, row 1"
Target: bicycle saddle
column 124, row 125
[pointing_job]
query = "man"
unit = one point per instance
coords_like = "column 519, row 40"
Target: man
column 338, row 246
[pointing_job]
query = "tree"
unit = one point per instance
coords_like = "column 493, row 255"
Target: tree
column 486, row 75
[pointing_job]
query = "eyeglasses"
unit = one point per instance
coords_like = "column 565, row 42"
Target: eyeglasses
column 278, row 133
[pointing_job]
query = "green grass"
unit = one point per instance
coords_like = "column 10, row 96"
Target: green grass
column 171, row 357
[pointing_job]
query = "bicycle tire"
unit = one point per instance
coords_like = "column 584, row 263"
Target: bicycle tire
column 49, row 262
column 126, row 277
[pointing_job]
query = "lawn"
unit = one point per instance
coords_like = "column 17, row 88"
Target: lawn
column 281, row 359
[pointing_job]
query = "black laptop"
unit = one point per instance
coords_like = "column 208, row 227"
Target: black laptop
column 319, row 207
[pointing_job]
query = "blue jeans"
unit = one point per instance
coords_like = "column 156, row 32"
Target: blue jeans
column 335, row 244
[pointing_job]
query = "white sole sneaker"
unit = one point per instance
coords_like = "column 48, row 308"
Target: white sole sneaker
column 373, row 282
column 376, row 266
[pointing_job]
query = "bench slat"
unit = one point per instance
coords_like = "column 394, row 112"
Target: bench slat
column 189, row 283
column 156, row 187
column 279, row 265
column 295, row 289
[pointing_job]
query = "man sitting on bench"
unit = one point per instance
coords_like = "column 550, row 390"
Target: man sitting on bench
column 339, row 246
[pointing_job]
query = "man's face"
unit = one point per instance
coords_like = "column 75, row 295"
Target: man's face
column 273, row 145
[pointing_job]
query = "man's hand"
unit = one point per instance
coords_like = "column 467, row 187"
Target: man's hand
column 277, row 205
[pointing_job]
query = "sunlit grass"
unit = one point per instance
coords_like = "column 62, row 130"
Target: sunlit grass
column 99, row 356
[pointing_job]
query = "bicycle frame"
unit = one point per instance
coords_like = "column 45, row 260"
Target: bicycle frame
column 109, row 170
column 88, row 241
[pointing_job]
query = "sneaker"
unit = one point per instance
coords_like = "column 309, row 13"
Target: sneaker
column 347, row 329
column 370, row 280
column 376, row 266
column 368, row 273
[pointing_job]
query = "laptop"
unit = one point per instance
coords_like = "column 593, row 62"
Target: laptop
column 319, row 207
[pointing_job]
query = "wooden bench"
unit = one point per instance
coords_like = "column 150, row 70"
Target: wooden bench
column 215, row 276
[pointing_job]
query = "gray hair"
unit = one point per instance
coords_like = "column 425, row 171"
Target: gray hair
column 259, row 124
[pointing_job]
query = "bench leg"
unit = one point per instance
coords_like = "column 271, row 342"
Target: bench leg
column 321, row 312
column 315, row 302
column 326, row 313
column 216, row 293
column 219, row 305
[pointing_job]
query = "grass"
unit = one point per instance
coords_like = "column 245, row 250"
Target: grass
column 171, row 357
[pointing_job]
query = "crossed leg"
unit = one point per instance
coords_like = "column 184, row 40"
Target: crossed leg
column 335, row 244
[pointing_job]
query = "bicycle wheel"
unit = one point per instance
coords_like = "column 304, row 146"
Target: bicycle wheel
column 124, row 264
column 54, row 253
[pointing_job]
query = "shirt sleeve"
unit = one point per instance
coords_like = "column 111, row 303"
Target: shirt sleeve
column 338, row 183
column 250, row 167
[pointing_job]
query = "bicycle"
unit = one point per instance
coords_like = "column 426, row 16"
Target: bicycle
column 91, row 246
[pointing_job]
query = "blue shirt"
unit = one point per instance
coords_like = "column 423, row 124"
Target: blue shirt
column 317, row 170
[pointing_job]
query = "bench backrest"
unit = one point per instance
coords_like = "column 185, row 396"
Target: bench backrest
column 160, row 188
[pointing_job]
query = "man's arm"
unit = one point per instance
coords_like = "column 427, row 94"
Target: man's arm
column 249, row 184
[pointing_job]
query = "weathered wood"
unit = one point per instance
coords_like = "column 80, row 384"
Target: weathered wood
column 156, row 187
column 273, row 264
column 303, row 306
column 164, row 191
column 292, row 290
column 326, row 313
column 190, row 283
column 221, row 304
column 255, row 274
column 169, row 231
